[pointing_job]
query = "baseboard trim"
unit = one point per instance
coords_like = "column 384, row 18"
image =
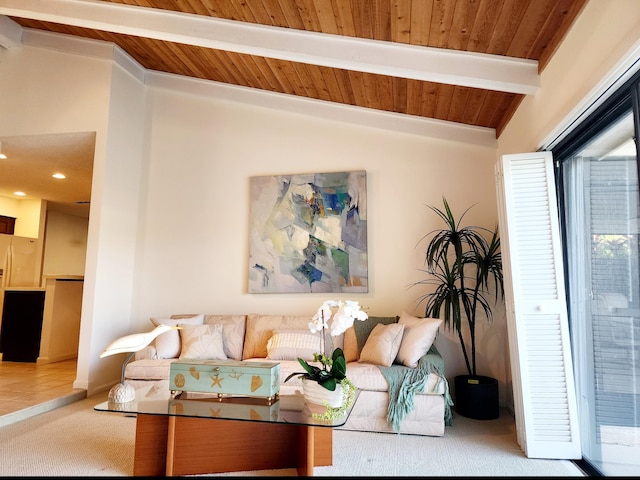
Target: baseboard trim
column 28, row 412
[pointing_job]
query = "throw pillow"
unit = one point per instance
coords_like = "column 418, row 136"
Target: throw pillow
column 382, row 345
column 168, row 344
column 362, row 328
column 419, row 334
column 202, row 342
column 233, row 328
column 289, row 344
column 350, row 345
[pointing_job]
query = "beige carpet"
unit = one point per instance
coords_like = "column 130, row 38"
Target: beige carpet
column 75, row 440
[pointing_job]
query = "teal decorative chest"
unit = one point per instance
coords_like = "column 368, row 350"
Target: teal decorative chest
column 225, row 377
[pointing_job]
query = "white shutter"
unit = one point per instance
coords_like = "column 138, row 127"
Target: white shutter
column 537, row 322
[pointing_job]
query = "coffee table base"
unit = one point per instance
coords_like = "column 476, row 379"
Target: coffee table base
column 169, row 445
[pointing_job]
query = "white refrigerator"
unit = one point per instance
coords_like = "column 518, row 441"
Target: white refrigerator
column 19, row 262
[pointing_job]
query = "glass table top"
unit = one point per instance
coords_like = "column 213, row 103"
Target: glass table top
column 291, row 409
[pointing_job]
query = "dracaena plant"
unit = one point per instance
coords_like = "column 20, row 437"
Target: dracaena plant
column 466, row 270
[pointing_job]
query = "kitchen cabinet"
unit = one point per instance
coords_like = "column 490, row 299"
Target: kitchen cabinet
column 61, row 318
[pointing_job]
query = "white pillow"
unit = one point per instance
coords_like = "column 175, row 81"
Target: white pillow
column 382, row 345
column 202, row 342
column 168, row 344
column 290, row 344
column 419, row 334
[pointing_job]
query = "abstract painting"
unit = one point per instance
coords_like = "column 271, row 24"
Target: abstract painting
column 308, row 233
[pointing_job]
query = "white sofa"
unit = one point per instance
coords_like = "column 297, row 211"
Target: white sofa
column 246, row 337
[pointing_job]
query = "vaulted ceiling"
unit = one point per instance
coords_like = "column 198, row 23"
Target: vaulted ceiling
column 469, row 62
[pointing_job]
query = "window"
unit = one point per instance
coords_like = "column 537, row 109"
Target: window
column 599, row 204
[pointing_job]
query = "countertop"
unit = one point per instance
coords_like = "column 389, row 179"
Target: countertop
column 63, row 277
column 24, row 289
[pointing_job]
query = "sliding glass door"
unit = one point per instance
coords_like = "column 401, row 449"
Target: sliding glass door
column 597, row 172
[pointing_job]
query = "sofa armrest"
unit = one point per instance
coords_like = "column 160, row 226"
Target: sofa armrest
column 147, row 353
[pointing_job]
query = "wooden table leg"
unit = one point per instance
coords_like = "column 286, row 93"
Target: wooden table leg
column 150, row 455
column 171, row 443
column 322, row 447
column 306, row 451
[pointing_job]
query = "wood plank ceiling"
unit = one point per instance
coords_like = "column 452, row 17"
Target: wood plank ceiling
column 508, row 29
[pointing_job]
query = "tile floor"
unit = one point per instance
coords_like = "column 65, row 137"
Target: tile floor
column 26, row 384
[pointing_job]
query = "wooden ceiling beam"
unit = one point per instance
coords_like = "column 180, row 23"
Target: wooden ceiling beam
column 492, row 72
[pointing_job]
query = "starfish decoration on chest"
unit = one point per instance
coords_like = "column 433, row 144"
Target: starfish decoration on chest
column 216, row 380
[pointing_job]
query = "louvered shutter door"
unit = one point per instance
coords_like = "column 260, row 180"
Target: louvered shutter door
column 537, row 323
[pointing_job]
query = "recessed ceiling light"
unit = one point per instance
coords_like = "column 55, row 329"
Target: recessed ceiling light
column 20, row 194
column 58, row 175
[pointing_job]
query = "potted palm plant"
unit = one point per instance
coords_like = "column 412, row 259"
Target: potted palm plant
column 466, row 270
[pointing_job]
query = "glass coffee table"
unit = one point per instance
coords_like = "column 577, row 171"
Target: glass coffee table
column 196, row 433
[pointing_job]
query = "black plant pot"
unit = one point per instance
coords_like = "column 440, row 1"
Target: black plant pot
column 477, row 397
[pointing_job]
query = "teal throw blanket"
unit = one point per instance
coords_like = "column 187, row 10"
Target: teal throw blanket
column 404, row 382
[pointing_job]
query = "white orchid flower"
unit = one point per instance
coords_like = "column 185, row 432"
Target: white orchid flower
column 317, row 325
column 343, row 319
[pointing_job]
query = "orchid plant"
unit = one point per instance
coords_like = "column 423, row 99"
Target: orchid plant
column 333, row 368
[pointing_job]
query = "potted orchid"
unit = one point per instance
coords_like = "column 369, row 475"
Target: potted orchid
column 331, row 374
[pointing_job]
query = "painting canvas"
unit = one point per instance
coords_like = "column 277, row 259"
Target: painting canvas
column 308, row 233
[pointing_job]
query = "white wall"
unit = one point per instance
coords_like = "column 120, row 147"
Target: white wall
column 27, row 213
column 202, row 151
column 65, row 247
column 118, row 183
column 28, row 219
column 8, row 206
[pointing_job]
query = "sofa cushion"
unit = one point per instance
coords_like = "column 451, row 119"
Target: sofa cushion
column 233, row 332
column 291, row 344
column 148, row 369
column 202, row 342
column 382, row 345
column 370, row 414
column 367, row 376
column 419, row 334
column 168, row 344
column 260, row 329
